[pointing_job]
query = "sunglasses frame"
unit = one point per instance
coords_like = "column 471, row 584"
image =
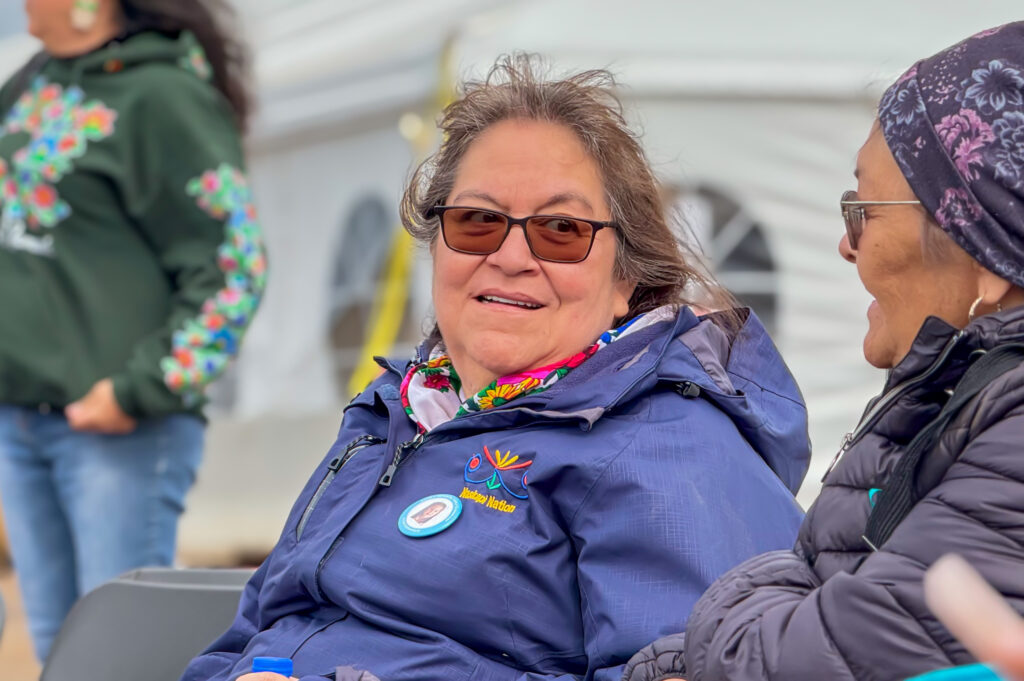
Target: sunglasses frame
column 510, row 222
column 848, row 207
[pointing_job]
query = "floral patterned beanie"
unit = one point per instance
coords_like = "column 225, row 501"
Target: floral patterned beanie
column 955, row 123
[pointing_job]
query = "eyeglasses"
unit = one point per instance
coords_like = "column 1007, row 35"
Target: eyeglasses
column 554, row 238
column 852, row 209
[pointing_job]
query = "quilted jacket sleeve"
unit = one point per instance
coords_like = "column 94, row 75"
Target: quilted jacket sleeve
column 772, row 619
column 660, row 660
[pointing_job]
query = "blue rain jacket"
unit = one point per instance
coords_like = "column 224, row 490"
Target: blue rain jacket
column 662, row 461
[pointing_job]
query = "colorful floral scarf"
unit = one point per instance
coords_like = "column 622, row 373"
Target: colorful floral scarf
column 432, row 391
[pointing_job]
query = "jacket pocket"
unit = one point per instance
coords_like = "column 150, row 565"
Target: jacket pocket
column 333, row 468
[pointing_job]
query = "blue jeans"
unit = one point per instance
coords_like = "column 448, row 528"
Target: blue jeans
column 82, row 508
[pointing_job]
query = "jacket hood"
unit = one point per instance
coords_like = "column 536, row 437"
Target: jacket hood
column 739, row 370
column 147, row 47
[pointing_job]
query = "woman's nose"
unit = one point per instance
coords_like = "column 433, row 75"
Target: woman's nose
column 514, row 255
column 846, row 250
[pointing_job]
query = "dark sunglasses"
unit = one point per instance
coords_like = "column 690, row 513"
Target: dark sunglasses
column 554, row 238
column 852, row 209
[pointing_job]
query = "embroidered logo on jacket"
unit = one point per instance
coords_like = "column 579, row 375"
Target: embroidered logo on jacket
column 492, row 471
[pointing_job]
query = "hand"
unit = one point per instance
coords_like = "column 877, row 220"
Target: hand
column 1007, row 654
column 976, row 614
column 265, row 676
column 99, row 411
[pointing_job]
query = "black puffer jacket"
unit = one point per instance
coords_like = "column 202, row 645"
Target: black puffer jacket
column 834, row 609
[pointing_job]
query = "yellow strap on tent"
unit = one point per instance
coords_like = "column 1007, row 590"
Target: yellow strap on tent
column 389, row 302
column 387, row 312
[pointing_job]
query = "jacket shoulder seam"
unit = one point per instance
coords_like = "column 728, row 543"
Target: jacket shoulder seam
column 604, row 470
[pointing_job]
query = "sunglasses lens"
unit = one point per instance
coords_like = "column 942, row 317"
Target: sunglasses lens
column 551, row 237
column 853, row 216
column 474, row 231
column 559, row 239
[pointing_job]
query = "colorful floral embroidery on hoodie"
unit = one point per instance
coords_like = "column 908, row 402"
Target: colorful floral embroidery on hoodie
column 431, row 390
column 201, row 349
column 60, row 125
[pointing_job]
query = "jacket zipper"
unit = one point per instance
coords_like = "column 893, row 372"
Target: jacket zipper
column 400, row 453
column 332, row 472
column 874, row 413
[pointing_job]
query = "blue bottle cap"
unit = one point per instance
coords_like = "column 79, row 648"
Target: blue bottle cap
column 278, row 665
column 967, row 672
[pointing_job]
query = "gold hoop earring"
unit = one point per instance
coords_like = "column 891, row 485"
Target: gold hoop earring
column 974, row 308
column 83, row 14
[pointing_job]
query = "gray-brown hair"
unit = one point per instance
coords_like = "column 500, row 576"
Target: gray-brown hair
column 648, row 254
column 936, row 245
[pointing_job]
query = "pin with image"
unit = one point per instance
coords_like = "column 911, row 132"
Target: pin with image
column 430, row 515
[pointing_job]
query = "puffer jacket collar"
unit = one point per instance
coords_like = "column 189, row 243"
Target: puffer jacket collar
column 984, row 333
column 918, row 386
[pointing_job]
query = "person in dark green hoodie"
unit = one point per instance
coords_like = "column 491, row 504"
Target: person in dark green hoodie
column 131, row 264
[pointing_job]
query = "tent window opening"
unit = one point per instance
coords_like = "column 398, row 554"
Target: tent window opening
column 734, row 244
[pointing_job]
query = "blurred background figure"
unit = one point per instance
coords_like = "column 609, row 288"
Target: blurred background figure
column 131, row 264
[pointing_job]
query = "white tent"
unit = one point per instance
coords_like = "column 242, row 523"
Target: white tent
column 752, row 114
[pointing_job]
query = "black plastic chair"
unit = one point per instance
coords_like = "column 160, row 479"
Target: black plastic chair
column 146, row 624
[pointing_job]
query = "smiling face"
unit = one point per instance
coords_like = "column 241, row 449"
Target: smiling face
column 509, row 312
column 429, row 512
column 891, row 262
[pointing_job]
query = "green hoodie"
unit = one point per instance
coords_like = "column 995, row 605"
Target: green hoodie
column 129, row 247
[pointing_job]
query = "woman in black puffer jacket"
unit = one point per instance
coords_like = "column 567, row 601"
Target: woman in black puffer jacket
column 936, row 230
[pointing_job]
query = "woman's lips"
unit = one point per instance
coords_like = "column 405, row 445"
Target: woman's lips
column 513, row 300
column 508, row 302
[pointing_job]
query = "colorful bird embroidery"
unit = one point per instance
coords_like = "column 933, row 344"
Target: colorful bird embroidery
column 499, row 463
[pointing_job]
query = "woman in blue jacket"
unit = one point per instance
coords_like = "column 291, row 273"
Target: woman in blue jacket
column 572, row 457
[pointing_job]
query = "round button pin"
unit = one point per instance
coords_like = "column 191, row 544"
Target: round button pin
column 429, row 515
